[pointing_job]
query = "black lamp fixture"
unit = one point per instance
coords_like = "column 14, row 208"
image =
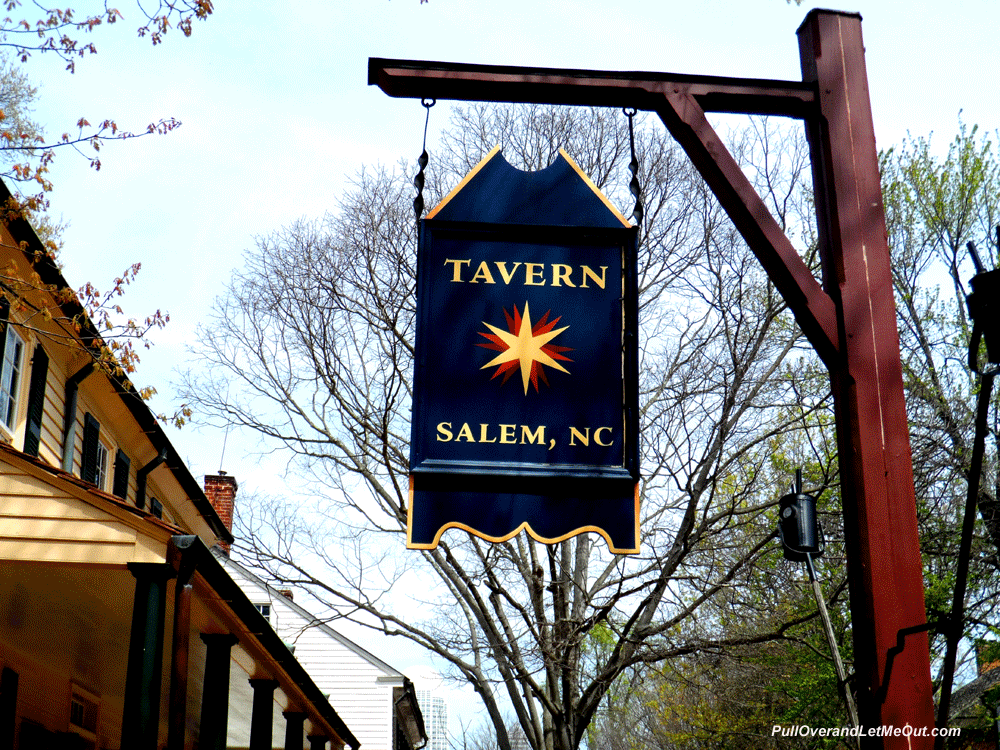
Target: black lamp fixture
column 798, row 527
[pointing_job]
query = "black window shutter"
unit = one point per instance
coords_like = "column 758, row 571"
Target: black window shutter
column 88, row 461
column 36, row 400
column 122, row 465
column 4, row 314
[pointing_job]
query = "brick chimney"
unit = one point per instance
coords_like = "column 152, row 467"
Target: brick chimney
column 220, row 489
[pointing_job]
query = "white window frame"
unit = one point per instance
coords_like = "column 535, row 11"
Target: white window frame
column 103, row 459
column 11, row 379
column 261, row 606
column 89, row 708
column 266, row 611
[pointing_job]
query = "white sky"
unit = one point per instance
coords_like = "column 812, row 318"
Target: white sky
column 277, row 116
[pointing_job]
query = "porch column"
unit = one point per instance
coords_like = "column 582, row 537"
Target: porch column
column 263, row 714
column 294, row 729
column 317, row 742
column 141, row 715
column 181, row 647
column 215, row 691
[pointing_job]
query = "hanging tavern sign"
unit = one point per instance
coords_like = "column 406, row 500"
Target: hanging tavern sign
column 525, row 390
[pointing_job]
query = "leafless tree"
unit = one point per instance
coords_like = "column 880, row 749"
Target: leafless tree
column 483, row 736
column 311, row 347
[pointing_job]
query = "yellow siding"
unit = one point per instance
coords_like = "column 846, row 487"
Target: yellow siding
column 51, row 437
column 119, row 430
column 40, row 522
column 50, row 447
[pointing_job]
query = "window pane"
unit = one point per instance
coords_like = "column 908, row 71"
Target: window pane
column 101, row 472
column 10, row 378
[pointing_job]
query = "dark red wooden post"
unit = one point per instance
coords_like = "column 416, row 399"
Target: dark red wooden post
column 880, row 523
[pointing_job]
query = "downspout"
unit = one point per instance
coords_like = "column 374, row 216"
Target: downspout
column 69, row 423
column 141, row 474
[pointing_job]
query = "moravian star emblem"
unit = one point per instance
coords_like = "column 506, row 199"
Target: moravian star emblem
column 525, row 346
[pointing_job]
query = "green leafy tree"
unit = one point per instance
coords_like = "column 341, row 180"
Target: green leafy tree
column 935, row 204
column 733, row 696
column 939, row 203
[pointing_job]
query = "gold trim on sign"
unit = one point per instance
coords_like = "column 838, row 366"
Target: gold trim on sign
column 592, row 186
column 465, row 181
column 636, row 516
column 524, row 527
column 409, row 514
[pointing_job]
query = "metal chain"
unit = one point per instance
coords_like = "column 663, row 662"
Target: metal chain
column 418, row 181
column 633, row 166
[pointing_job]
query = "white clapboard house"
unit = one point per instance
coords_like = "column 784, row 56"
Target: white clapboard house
column 375, row 699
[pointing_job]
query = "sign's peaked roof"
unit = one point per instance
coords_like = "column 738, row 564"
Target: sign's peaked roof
column 494, row 192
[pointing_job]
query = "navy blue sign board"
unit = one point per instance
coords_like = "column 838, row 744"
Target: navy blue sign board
column 526, row 390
